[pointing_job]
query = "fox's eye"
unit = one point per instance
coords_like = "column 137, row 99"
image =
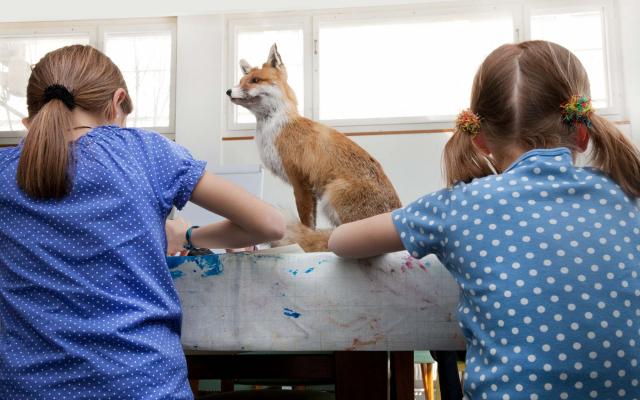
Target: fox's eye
column 255, row 80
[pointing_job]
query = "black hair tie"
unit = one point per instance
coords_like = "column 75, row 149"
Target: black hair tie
column 59, row 92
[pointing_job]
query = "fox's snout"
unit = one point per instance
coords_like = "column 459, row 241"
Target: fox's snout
column 236, row 93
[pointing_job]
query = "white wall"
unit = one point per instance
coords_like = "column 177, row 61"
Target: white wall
column 199, row 85
column 629, row 14
column 47, row 10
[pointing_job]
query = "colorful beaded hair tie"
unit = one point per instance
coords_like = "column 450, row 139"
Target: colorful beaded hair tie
column 468, row 122
column 577, row 110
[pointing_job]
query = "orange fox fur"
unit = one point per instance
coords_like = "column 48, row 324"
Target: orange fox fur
column 321, row 164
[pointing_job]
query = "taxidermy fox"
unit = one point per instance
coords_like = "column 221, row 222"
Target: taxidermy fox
column 321, row 164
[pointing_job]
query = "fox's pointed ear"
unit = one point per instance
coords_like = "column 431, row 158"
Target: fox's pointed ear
column 274, row 59
column 245, row 66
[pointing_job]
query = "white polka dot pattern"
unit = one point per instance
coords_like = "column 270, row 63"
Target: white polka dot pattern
column 87, row 304
column 547, row 257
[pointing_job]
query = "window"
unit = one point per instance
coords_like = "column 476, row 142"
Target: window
column 143, row 50
column 253, row 44
column 254, row 47
column 582, row 32
column 412, row 67
column 374, row 68
column 404, row 68
column 145, row 60
column 17, row 55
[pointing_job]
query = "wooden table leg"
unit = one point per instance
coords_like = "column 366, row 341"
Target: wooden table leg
column 427, row 379
column 195, row 387
column 402, row 375
column 448, row 379
column 227, row 385
column 361, row 375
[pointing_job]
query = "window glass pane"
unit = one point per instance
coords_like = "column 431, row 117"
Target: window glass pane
column 582, row 33
column 404, row 69
column 254, row 47
column 17, row 55
column 145, row 61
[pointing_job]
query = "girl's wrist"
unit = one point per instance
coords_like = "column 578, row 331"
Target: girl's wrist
column 188, row 236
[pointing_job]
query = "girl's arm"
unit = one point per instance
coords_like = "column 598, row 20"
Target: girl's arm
column 366, row 238
column 249, row 220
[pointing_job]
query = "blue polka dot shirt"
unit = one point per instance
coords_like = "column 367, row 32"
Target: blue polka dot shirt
column 88, row 309
column 547, row 257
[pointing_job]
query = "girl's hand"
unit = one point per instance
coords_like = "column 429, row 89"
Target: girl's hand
column 176, row 230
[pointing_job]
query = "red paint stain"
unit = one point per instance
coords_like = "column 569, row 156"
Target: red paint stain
column 409, row 263
column 346, row 324
column 357, row 343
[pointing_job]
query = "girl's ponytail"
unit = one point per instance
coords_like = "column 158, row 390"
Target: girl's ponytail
column 614, row 154
column 64, row 80
column 462, row 161
column 43, row 169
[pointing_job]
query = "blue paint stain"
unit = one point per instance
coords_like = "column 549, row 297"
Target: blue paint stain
column 290, row 313
column 322, row 261
column 293, row 272
column 267, row 256
column 309, row 270
column 209, row 264
column 175, row 262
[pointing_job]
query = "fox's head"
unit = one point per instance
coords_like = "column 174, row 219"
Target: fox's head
column 264, row 91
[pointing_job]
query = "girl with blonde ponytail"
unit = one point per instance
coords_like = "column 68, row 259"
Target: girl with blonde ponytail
column 545, row 252
column 88, row 308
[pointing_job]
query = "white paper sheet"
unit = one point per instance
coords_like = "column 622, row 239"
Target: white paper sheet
column 316, row 302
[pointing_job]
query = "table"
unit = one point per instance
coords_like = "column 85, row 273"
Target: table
column 314, row 302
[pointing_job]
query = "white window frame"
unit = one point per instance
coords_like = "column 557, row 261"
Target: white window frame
column 439, row 13
column 613, row 67
column 261, row 24
column 96, row 31
column 22, row 31
column 149, row 27
column 521, row 12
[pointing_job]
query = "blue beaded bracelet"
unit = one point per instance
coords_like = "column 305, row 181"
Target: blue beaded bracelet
column 188, row 245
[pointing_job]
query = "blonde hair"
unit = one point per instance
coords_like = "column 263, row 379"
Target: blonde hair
column 518, row 92
column 92, row 79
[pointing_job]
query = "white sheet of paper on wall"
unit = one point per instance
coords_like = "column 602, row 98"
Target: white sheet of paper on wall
column 249, row 177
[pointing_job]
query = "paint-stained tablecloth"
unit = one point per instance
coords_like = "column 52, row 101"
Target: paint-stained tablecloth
column 315, row 302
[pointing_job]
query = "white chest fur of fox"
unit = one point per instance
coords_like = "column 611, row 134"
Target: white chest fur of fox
column 267, row 131
column 320, row 163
